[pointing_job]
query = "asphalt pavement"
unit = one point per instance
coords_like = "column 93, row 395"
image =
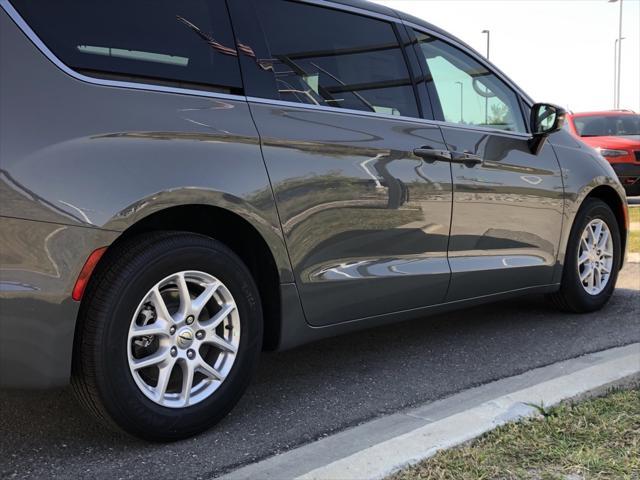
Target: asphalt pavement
column 310, row 392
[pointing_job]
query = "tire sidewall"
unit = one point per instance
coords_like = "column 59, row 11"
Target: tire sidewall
column 122, row 398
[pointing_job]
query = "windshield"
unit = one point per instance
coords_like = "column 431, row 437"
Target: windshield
column 607, row 125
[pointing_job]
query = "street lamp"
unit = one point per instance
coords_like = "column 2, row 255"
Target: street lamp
column 488, row 32
column 615, row 74
column 461, row 103
column 619, row 53
column 486, row 99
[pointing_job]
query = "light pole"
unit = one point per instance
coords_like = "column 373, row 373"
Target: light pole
column 486, row 99
column 615, row 74
column 619, row 53
column 461, row 103
column 488, row 32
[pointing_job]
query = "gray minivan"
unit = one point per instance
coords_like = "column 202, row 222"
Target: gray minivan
column 184, row 184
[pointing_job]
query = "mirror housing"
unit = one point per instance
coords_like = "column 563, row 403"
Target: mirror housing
column 546, row 119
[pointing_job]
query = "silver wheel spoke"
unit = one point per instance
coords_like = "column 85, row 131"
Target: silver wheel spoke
column 187, row 381
column 604, row 238
column 185, row 296
column 597, row 232
column 218, row 318
column 159, row 327
column 159, row 341
column 221, row 343
column 150, row 360
column 583, row 258
column 198, row 304
column 209, row 371
column 164, row 373
column 587, row 271
column 158, row 302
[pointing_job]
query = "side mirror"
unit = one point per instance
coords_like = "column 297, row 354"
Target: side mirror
column 545, row 120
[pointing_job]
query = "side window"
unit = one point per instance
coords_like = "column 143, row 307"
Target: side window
column 332, row 58
column 158, row 41
column 468, row 93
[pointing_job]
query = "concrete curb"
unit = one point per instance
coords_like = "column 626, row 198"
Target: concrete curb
column 383, row 446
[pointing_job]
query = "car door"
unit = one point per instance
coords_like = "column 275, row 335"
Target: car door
column 507, row 202
column 366, row 221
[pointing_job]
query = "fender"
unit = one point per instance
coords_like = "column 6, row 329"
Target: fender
column 583, row 171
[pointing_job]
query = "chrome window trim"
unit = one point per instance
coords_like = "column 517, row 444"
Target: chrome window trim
column 39, row 44
column 363, row 113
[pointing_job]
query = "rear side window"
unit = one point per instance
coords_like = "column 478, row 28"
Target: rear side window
column 153, row 41
column 321, row 56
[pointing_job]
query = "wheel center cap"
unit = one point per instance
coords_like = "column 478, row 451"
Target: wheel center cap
column 185, row 338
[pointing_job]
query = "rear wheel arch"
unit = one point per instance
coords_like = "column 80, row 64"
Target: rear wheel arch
column 237, row 234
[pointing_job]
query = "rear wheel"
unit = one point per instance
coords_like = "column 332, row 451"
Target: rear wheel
column 592, row 260
column 170, row 333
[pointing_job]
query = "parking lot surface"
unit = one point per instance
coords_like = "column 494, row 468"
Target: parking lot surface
column 307, row 393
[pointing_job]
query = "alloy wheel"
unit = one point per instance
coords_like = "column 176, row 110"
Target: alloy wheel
column 595, row 256
column 183, row 339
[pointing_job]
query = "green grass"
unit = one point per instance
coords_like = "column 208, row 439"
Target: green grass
column 634, row 234
column 594, row 439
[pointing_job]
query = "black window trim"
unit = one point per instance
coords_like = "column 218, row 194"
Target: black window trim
column 395, row 23
column 472, row 54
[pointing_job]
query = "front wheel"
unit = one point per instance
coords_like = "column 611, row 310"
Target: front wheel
column 170, row 333
column 592, row 260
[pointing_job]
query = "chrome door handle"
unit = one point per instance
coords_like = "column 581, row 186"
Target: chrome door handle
column 465, row 157
column 432, row 154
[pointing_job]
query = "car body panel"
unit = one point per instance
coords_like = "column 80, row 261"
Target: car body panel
column 76, row 156
column 360, row 212
column 519, row 197
column 39, row 264
column 84, row 160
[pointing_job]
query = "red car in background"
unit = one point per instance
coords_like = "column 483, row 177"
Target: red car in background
column 616, row 135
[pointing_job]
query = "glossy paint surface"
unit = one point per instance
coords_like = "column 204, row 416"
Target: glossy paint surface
column 357, row 225
column 507, row 214
column 366, row 221
column 88, row 159
column 38, row 268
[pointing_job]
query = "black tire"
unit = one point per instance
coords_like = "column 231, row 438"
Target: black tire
column 572, row 297
column 101, row 379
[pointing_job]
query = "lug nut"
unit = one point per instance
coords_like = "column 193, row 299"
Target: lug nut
column 172, row 330
column 190, row 319
column 174, row 351
column 200, row 334
column 191, row 354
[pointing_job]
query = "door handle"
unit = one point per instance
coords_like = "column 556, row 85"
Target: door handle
column 432, row 154
column 466, row 158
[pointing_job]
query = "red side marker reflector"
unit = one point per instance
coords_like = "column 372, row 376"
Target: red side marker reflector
column 85, row 273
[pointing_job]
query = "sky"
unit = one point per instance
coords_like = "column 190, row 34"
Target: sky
column 558, row 51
